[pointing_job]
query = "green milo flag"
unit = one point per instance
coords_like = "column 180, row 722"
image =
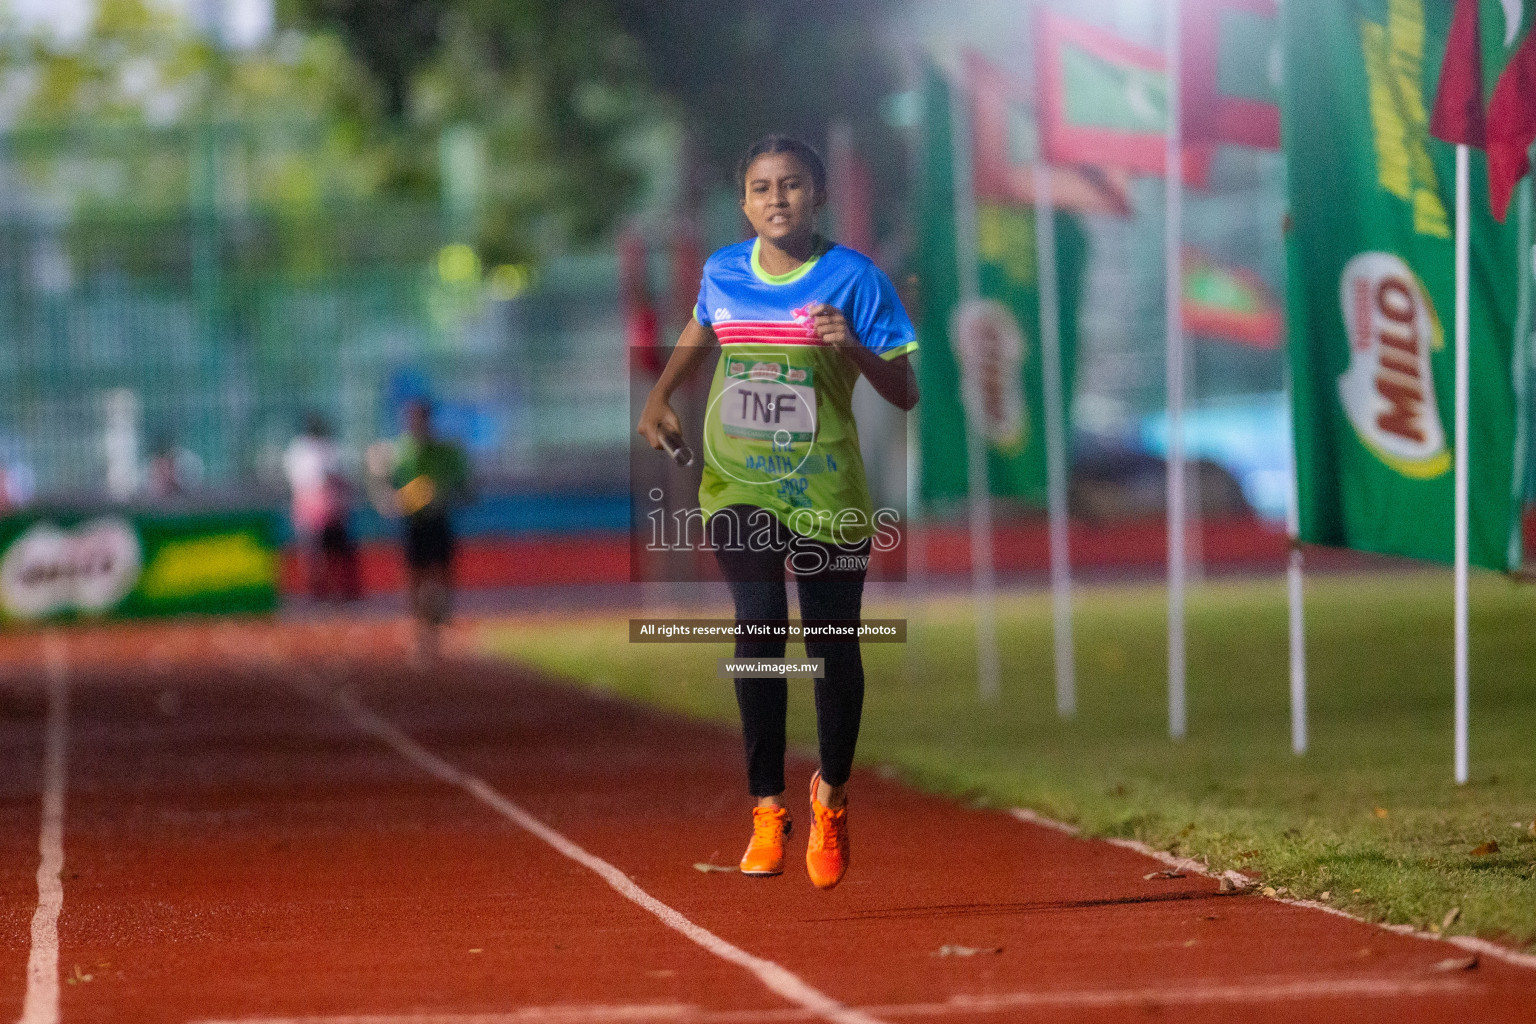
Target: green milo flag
column 999, row 333
column 1372, row 294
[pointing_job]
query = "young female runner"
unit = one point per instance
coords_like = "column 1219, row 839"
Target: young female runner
column 798, row 320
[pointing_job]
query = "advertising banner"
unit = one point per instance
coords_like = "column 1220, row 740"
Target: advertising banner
column 113, row 565
column 1372, row 293
column 988, row 348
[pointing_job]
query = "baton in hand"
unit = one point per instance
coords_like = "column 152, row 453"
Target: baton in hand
column 680, row 452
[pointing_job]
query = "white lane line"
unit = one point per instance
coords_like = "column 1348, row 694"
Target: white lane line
column 1257, row 991
column 1185, row 864
column 576, row 1014
column 1241, row 881
column 1036, row 818
column 776, row 978
column 42, row 1001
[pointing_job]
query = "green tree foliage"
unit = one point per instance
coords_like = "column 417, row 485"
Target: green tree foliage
column 153, row 151
column 548, row 97
column 393, row 39
column 144, row 118
column 743, row 70
column 523, row 114
column 560, row 89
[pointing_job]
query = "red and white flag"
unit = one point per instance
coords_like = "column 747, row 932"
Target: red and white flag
column 1104, row 101
column 1230, row 72
column 1487, row 92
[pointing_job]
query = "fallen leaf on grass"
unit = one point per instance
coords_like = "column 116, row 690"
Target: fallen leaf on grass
column 947, row 950
column 1166, row 873
column 724, row 868
column 1380, row 812
column 1486, row 849
column 1269, row 891
column 1450, row 918
column 1457, row 964
column 1325, row 896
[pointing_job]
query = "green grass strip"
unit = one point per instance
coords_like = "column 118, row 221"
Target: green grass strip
column 1370, row 816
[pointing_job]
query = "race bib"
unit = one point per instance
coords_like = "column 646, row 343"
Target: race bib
column 768, row 400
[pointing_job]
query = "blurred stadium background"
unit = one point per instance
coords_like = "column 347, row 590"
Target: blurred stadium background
column 217, row 216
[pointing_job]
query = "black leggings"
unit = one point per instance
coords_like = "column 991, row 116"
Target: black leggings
column 830, row 591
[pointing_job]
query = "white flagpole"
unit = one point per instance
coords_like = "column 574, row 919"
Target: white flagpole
column 1463, row 240
column 1293, row 581
column 1053, row 382
column 1173, row 295
column 983, row 570
column 917, row 547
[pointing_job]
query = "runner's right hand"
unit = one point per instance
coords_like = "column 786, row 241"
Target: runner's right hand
column 658, row 419
column 380, row 459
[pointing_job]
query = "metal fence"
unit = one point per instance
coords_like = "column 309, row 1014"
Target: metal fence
column 122, row 345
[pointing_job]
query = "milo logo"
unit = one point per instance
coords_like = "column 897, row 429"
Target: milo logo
column 989, row 345
column 1388, row 391
column 48, row 570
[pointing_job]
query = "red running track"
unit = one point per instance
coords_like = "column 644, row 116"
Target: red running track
column 269, row 824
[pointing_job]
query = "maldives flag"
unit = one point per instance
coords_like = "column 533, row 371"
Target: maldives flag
column 1228, row 304
column 1230, row 78
column 1104, row 101
column 1487, row 94
column 1004, row 156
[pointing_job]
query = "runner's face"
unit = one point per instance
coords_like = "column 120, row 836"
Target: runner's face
column 781, row 199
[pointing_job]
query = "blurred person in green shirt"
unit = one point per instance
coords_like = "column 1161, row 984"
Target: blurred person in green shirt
column 419, row 478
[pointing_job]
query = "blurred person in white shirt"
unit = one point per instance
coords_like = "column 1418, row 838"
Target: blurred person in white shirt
column 321, row 506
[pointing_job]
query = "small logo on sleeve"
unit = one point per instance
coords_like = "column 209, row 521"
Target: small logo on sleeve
column 722, row 313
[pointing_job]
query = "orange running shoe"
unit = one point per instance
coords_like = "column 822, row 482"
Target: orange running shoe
column 765, row 853
column 826, row 856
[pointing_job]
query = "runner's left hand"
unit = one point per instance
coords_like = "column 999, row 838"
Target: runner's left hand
column 832, row 327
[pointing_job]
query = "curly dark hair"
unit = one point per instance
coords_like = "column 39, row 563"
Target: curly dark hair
column 785, row 144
